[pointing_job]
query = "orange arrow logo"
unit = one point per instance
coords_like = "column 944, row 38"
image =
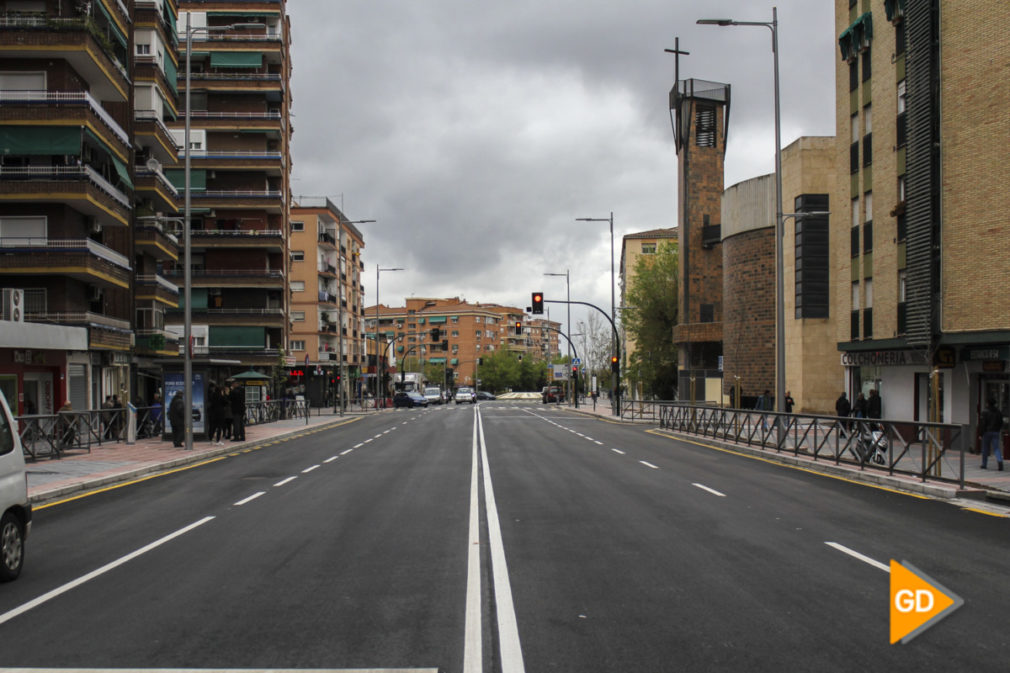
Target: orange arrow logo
column 917, row 602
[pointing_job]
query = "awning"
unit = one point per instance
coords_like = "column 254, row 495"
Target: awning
column 197, row 179
column 172, row 73
column 434, row 320
column 124, row 174
column 236, row 59
column 40, row 140
column 454, row 361
column 436, row 361
column 895, row 9
column 240, row 337
column 243, row 13
column 112, row 24
column 856, row 37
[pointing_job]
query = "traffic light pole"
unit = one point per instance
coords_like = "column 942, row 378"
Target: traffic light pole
column 616, row 370
column 574, row 350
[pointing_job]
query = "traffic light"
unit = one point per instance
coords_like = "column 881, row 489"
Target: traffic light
column 435, row 333
column 445, row 345
column 538, row 303
column 615, row 364
column 519, row 328
column 575, row 371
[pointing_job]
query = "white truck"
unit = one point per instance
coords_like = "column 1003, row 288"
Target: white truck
column 409, row 382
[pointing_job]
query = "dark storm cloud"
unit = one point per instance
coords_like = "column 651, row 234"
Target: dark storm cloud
column 477, row 132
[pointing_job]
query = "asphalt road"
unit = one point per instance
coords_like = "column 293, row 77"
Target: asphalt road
column 571, row 544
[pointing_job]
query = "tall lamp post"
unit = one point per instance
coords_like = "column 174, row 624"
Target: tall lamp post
column 378, row 377
column 187, row 335
column 340, row 311
column 568, row 325
column 780, row 322
column 614, row 383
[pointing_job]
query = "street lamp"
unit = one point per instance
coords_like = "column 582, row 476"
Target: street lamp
column 780, row 322
column 340, row 310
column 377, row 376
column 187, row 334
column 614, row 386
column 568, row 325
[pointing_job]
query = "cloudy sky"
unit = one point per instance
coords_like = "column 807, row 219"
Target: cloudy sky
column 475, row 132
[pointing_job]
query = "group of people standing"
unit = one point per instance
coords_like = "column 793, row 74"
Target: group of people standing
column 225, row 414
column 863, row 407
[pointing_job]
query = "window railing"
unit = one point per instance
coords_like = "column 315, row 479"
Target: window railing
column 80, row 318
column 239, row 194
column 209, row 114
column 151, row 115
column 64, row 173
column 148, row 279
column 143, row 171
column 36, row 243
column 252, row 233
column 8, row 97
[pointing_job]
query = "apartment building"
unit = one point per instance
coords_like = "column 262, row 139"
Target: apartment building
column 543, row 338
column 66, row 202
column 470, row 331
column 923, row 267
column 635, row 247
column 239, row 100
column 326, row 319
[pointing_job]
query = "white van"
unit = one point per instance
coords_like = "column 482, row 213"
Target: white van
column 16, row 517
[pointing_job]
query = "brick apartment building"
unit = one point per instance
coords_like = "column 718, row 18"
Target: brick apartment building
column 923, row 267
column 326, row 338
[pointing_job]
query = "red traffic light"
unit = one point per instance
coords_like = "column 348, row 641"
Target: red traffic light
column 538, row 303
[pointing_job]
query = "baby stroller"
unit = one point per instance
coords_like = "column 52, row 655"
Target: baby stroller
column 871, row 444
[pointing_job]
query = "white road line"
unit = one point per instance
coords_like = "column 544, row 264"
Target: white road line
column 710, row 490
column 509, row 649
column 46, row 597
column 598, row 442
column 284, row 481
column 356, row 446
column 331, row 459
column 386, row 432
column 344, row 453
column 249, row 499
column 472, row 640
column 368, row 440
column 309, row 469
column 580, row 434
column 854, row 554
column 649, row 465
column 618, row 451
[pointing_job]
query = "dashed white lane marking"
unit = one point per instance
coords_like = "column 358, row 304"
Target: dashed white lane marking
column 710, row 490
column 356, row 446
column 368, row 440
column 309, row 469
column 249, row 499
column 618, row 451
column 854, row 554
column 598, row 442
column 344, row 453
column 46, row 597
column 330, row 459
column 284, row 481
column 649, row 465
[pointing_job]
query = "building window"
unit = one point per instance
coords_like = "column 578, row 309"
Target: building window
column 899, row 38
column 297, row 255
column 298, row 286
column 902, row 306
column 296, row 345
column 298, row 316
column 868, row 206
column 854, row 313
column 143, row 49
column 297, row 226
column 707, row 313
column 868, row 137
column 705, row 127
column 455, row 333
column 865, row 57
column 901, row 125
column 853, row 75
column 648, row 248
column 854, row 146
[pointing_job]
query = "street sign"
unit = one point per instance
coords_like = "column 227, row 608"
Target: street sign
column 576, row 361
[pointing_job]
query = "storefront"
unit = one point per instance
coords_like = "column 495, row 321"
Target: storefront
column 34, row 364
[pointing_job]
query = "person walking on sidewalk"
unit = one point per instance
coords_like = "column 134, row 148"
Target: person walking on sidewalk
column 992, row 428
column 842, row 410
column 177, row 417
column 237, row 400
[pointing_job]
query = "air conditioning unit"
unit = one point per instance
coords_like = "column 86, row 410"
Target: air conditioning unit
column 14, row 304
column 153, row 165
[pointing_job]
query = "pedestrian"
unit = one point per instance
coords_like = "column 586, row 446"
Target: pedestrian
column 764, row 403
column 117, row 417
column 177, row 417
column 789, row 402
column 214, row 413
column 66, row 433
column 237, row 403
column 859, row 407
column 992, row 429
column 874, row 405
column 842, row 410
column 107, row 417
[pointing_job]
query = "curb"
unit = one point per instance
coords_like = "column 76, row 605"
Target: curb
column 43, row 497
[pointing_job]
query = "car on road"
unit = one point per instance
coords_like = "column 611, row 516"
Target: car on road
column 484, row 395
column 552, row 394
column 15, row 510
column 465, row 395
column 433, row 394
column 409, row 399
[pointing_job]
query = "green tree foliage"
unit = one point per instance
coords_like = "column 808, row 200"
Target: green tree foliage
column 654, row 296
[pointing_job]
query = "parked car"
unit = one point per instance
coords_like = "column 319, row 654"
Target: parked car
column 15, row 510
column 433, row 394
column 552, row 394
column 484, row 395
column 465, row 395
column 410, row 399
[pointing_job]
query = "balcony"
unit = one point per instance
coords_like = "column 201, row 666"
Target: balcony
column 267, row 122
column 261, row 239
column 327, row 298
column 216, row 278
column 261, row 199
column 156, row 342
column 254, row 317
column 254, row 160
column 83, row 259
column 327, row 270
column 151, row 238
column 327, row 240
column 74, row 108
column 151, row 132
column 155, row 186
column 104, row 332
column 79, row 41
column 148, row 71
column 81, row 187
column 156, row 288
column 225, row 82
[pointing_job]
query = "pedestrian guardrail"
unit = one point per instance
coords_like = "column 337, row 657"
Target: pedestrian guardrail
column 925, row 450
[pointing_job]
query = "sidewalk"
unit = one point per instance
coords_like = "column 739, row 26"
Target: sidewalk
column 118, row 462
column 989, row 483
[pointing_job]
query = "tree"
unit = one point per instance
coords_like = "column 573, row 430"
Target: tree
column 499, row 370
column 653, row 300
